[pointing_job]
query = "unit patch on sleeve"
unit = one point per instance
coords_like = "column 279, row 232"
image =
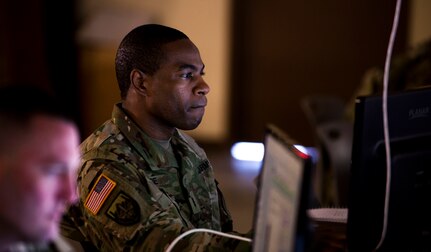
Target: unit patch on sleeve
column 124, row 210
column 99, row 193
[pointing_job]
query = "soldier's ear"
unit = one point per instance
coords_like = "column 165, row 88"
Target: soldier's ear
column 139, row 81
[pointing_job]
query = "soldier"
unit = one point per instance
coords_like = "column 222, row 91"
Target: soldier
column 39, row 157
column 142, row 181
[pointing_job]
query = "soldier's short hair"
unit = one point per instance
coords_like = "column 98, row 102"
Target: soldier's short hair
column 141, row 49
column 20, row 102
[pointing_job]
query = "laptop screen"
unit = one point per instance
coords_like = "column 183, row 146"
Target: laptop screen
column 280, row 212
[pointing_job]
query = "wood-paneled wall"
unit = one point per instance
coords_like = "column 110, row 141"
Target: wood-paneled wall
column 285, row 50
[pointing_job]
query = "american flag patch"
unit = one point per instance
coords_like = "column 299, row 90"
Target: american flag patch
column 99, row 193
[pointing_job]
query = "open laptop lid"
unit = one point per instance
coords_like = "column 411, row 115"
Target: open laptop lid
column 280, row 220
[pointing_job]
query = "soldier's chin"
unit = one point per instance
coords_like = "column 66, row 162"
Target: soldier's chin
column 40, row 239
column 46, row 235
column 190, row 125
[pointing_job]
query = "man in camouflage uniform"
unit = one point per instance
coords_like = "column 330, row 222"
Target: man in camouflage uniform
column 143, row 182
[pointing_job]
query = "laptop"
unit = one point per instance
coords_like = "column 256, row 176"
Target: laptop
column 280, row 221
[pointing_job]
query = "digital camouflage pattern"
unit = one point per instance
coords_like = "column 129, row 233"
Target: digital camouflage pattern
column 157, row 194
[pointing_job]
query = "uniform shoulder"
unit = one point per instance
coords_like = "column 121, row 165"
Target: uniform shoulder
column 100, row 137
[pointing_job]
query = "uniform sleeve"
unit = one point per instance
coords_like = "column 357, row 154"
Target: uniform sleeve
column 121, row 212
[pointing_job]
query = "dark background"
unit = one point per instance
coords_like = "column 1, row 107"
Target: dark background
column 281, row 52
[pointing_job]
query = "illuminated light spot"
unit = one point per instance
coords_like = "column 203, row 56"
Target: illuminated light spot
column 301, row 151
column 247, row 151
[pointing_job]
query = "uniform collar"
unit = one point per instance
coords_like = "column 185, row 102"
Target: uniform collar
column 141, row 141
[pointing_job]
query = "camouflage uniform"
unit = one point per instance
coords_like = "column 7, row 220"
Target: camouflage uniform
column 136, row 196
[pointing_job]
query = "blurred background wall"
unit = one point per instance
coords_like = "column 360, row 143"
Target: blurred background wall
column 262, row 57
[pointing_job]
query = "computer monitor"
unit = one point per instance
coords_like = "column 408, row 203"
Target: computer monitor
column 409, row 209
column 280, row 221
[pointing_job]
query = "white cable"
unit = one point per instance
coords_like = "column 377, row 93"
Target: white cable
column 385, row 123
column 176, row 240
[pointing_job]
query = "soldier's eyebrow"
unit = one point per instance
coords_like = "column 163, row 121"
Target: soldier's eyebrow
column 55, row 168
column 191, row 67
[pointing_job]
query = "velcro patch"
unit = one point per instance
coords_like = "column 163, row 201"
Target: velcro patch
column 124, row 210
column 99, row 193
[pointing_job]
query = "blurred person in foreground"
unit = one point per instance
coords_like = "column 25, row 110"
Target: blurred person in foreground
column 39, row 158
column 142, row 180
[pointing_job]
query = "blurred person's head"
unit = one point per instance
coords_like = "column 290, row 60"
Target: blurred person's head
column 38, row 161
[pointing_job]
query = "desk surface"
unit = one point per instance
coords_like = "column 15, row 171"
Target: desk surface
column 329, row 227
column 329, row 236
